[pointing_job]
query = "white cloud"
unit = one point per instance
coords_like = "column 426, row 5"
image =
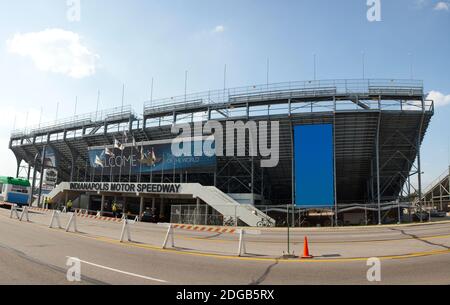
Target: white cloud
column 441, row 6
column 55, row 50
column 439, row 98
column 219, row 29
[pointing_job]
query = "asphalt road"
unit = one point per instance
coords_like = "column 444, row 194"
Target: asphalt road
column 32, row 253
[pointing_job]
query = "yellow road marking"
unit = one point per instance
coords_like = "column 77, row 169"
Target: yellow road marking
column 267, row 259
column 254, row 259
column 322, row 242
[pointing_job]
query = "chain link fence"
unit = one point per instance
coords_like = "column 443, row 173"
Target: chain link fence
column 293, row 216
column 203, row 215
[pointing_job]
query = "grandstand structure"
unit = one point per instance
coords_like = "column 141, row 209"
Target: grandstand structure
column 378, row 129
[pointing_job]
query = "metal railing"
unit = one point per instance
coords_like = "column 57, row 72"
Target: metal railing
column 435, row 182
column 288, row 90
column 193, row 215
column 111, row 114
column 295, row 216
column 284, row 90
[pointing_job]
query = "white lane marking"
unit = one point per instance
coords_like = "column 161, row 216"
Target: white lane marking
column 120, row 271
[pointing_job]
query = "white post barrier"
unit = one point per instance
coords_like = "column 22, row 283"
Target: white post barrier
column 98, row 214
column 242, row 250
column 55, row 215
column 72, row 222
column 14, row 211
column 169, row 235
column 125, row 228
column 24, row 212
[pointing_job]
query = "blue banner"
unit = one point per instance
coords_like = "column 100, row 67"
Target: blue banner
column 146, row 158
column 314, row 165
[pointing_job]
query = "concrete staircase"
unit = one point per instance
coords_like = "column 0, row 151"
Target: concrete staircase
column 227, row 206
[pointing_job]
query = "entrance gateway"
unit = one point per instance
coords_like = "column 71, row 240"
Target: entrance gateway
column 165, row 194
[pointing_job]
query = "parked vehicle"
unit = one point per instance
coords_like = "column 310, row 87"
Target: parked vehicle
column 436, row 213
column 418, row 215
column 17, row 191
column 149, row 216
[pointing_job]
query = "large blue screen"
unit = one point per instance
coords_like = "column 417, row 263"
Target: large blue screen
column 314, row 166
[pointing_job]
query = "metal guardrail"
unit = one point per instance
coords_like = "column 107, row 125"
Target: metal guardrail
column 435, row 182
column 78, row 120
column 291, row 89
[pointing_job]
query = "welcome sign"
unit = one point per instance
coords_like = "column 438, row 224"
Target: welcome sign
column 146, row 158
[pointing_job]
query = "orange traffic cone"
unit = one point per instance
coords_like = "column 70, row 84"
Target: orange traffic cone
column 306, row 249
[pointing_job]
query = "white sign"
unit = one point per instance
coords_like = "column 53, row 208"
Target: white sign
column 50, row 177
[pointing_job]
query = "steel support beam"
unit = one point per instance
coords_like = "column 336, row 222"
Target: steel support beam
column 419, row 167
column 377, row 152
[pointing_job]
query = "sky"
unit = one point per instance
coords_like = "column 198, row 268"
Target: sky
column 53, row 52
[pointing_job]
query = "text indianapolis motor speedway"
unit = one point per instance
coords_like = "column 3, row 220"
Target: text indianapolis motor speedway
column 125, row 187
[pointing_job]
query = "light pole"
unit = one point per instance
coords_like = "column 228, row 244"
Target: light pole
column 363, row 65
column 411, row 71
column 185, row 84
column 44, row 150
column 288, row 240
column 315, row 66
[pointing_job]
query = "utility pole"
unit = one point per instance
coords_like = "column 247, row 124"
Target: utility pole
column 44, row 150
column 33, row 184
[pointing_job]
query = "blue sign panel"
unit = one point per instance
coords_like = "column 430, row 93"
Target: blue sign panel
column 146, row 158
column 314, row 165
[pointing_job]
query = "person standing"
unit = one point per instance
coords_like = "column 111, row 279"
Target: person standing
column 114, row 209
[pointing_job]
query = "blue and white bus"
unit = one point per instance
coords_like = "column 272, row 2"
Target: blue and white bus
column 16, row 191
